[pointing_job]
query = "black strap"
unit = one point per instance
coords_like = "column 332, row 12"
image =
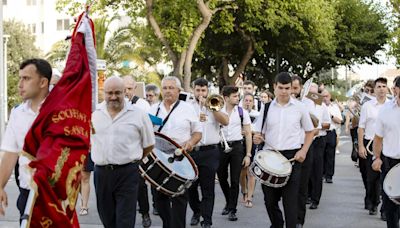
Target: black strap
column 134, row 99
column 258, row 104
column 240, row 110
column 266, row 107
column 167, row 117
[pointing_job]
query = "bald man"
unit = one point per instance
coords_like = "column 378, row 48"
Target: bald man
column 123, row 135
column 130, row 88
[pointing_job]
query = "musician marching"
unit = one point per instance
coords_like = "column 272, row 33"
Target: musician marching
column 386, row 149
column 233, row 157
column 181, row 124
column 285, row 121
column 366, row 133
column 206, row 152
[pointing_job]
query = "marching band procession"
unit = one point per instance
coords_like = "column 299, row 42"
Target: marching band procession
column 180, row 148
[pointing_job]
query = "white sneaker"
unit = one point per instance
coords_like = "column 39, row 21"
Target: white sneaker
column 337, row 152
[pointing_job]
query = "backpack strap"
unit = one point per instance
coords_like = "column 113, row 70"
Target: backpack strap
column 240, row 109
column 134, row 99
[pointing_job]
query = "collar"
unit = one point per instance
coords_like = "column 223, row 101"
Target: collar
column 291, row 101
column 170, row 107
column 103, row 107
column 27, row 106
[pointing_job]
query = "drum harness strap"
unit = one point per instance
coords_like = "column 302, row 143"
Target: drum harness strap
column 166, row 118
column 266, row 107
column 134, row 99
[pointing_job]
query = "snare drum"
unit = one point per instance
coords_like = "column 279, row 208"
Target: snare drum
column 271, row 168
column 170, row 178
column 391, row 184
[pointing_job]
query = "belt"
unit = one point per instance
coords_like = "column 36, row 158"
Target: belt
column 115, row 166
column 206, row 147
column 233, row 143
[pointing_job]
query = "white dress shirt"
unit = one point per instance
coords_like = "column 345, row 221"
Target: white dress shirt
column 388, row 126
column 334, row 110
column 323, row 116
column 368, row 115
column 284, row 125
column 233, row 132
column 310, row 106
column 210, row 128
column 140, row 103
column 120, row 140
column 21, row 119
column 182, row 122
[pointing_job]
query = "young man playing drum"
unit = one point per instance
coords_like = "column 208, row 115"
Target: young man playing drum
column 206, row 154
column 181, row 124
column 386, row 141
column 366, row 133
column 282, row 131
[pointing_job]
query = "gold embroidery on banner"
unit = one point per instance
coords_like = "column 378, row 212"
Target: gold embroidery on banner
column 59, row 166
column 57, row 209
column 46, row 222
column 73, row 183
column 29, row 156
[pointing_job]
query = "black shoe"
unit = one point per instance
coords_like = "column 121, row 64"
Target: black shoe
column 232, row 216
column 313, row 206
column 205, row 225
column 299, row 226
column 225, row 211
column 146, row 221
column 155, row 211
column 373, row 211
column 383, row 216
column 329, row 180
column 308, row 201
column 195, row 219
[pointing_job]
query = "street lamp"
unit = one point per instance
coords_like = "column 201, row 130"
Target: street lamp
column 5, row 96
column 2, row 104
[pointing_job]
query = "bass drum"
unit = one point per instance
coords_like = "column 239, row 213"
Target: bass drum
column 271, row 168
column 167, row 175
column 391, row 184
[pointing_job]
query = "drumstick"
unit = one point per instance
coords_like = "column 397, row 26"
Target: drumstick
column 290, row 160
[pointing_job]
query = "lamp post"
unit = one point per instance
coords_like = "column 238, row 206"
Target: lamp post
column 2, row 79
column 5, row 96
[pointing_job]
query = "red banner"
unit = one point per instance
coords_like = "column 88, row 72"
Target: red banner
column 58, row 143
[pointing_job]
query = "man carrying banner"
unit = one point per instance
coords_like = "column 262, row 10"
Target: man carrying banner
column 33, row 86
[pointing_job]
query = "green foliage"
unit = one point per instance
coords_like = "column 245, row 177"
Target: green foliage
column 20, row 46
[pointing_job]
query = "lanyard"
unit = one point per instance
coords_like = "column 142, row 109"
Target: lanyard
column 166, row 118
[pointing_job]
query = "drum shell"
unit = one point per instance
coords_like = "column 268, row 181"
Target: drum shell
column 387, row 183
column 268, row 178
column 156, row 174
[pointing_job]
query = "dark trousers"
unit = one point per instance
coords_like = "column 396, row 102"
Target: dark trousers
column 306, row 167
column 288, row 193
column 363, row 163
column 116, row 194
column 354, row 140
column 316, row 177
column 207, row 162
column 143, row 197
column 172, row 209
column 329, row 156
column 21, row 201
column 373, row 182
column 233, row 160
column 391, row 209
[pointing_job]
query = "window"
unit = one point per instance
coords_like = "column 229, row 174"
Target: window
column 59, row 25
column 66, row 24
column 32, row 28
column 31, row 2
column 42, row 27
column 4, row 2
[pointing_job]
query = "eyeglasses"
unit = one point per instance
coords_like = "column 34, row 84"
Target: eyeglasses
column 111, row 93
column 150, row 95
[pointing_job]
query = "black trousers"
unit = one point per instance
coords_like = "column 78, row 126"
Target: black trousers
column 289, row 194
column 391, row 209
column 373, row 182
column 363, row 163
column 354, row 140
column 143, row 197
column 233, row 160
column 207, row 162
column 329, row 156
column 316, row 177
column 21, row 202
column 116, row 194
column 172, row 209
column 306, row 167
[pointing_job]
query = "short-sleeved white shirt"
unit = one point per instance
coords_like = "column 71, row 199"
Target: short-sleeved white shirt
column 334, row 110
column 181, row 124
column 387, row 126
column 142, row 104
column 233, row 132
column 368, row 115
column 19, row 123
column 210, row 128
column 284, row 125
column 120, row 140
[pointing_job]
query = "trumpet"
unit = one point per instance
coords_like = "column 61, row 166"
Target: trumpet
column 227, row 148
column 214, row 102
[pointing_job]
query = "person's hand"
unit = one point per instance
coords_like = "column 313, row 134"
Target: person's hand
column 300, row 156
column 257, row 138
column 246, row 161
column 377, row 164
column 3, row 202
column 362, row 152
column 188, row 146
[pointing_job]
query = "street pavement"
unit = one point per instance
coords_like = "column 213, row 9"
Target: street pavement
column 341, row 204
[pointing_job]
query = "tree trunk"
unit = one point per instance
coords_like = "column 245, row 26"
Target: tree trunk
column 224, row 74
column 245, row 59
column 206, row 14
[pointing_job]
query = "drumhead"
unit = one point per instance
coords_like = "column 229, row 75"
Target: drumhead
column 165, row 149
column 273, row 162
column 391, row 184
